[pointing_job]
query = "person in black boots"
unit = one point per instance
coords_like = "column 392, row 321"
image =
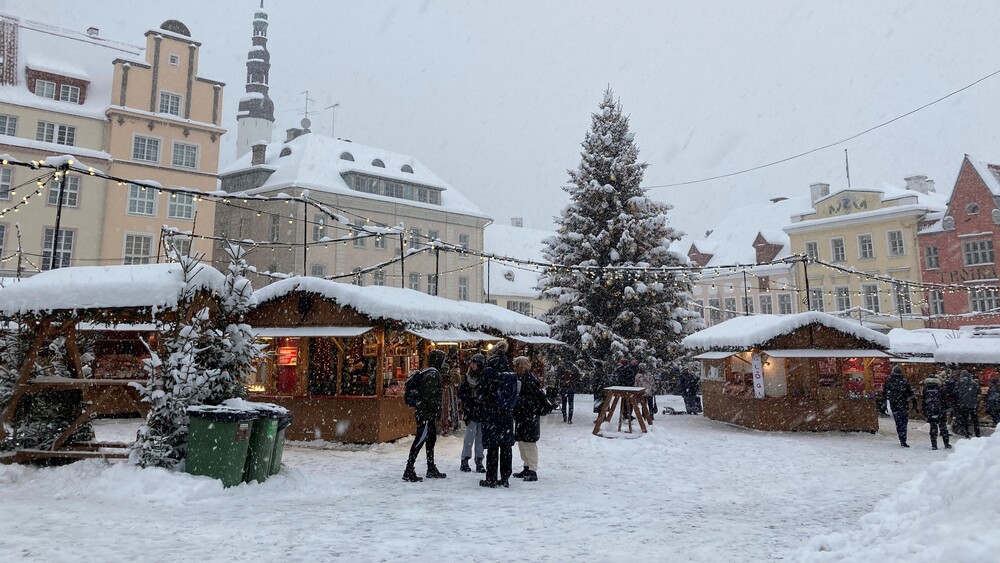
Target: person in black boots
column 498, row 391
column 967, row 404
column 531, row 403
column 933, row 406
column 899, row 394
column 469, row 396
column 427, row 412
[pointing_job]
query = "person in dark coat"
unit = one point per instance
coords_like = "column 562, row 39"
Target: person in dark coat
column 689, row 391
column 899, row 394
column 468, row 395
column 531, row 403
column 993, row 400
column 567, row 391
column 967, row 403
column 599, row 380
column 498, row 393
column 427, row 412
column 933, row 407
column 950, row 380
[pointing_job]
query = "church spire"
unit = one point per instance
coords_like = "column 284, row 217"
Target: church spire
column 255, row 117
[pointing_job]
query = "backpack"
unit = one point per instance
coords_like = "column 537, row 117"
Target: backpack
column 932, row 401
column 507, row 391
column 411, row 389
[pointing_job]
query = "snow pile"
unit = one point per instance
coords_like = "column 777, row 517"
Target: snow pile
column 968, row 351
column 923, row 341
column 750, row 331
column 946, row 513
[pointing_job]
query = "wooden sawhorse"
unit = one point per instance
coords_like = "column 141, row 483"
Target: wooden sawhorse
column 632, row 400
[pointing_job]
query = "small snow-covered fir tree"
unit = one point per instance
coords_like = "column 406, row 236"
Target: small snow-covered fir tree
column 606, row 315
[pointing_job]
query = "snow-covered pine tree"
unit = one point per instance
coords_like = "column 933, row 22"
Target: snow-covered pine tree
column 606, row 315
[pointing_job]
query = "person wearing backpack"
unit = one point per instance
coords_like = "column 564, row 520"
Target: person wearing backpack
column 498, row 393
column 934, row 412
column 425, row 391
column 531, row 403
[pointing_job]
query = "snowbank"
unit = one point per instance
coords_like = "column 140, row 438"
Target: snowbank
column 946, row 513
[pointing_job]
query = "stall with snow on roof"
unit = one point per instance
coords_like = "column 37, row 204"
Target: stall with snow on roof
column 809, row 371
column 341, row 353
column 978, row 353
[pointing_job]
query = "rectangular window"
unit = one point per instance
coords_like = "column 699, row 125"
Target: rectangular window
column 463, row 241
column 378, row 277
column 866, row 248
column 977, row 252
column 141, row 200
column 69, row 93
column 730, row 306
column 936, row 300
column 842, row 295
column 816, row 299
column 317, row 270
column 6, row 181
column 896, row 246
column 55, row 133
column 415, row 238
column 275, row 234
column 170, row 103
column 146, row 149
column 185, row 155
column 838, row 250
column 812, row 250
column 715, row 311
column 432, row 284
column 181, row 246
column 785, row 304
column 700, row 305
column 72, row 196
column 931, row 259
column 3, row 235
column 766, row 305
column 869, row 292
column 63, row 249
column 8, row 125
column 137, row 249
column 748, row 305
column 463, row 288
column 522, row 307
column 901, row 296
column 45, row 89
column 414, row 281
column 174, row 60
column 359, row 234
column 380, row 242
column 433, row 235
column 319, row 226
column 359, row 277
column 984, row 300
column 181, row 206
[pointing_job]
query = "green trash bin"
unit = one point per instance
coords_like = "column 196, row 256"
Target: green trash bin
column 261, row 448
column 279, row 443
column 218, row 439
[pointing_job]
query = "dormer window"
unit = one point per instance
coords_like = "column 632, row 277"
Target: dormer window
column 45, row 84
column 378, row 163
column 972, row 208
column 347, row 156
column 45, row 89
column 285, row 152
column 68, row 93
column 407, row 168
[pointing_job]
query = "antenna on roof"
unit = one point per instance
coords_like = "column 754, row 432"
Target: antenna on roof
column 305, row 111
column 847, row 164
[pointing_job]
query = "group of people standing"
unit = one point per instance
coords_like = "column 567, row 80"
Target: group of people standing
column 942, row 395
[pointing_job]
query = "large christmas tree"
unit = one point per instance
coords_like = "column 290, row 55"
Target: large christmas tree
column 612, row 299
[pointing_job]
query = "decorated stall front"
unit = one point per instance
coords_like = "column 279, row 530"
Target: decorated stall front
column 809, row 371
column 339, row 354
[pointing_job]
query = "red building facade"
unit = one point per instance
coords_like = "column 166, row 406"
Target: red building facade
column 957, row 249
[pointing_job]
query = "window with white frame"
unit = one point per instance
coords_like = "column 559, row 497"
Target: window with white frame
column 170, row 103
column 977, row 252
column 837, row 250
column 936, row 300
column 730, row 307
column 360, row 237
column 463, row 288
column 72, row 196
column 866, row 247
column 931, row 259
column 181, row 246
column 45, row 89
column 359, row 277
column 146, row 149
column 700, row 305
column 748, row 305
column 69, row 93
column 185, row 155
column 433, row 235
column 275, row 234
column 463, row 241
column 901, row 297
column 141, row 200
column 8, row 124
column 982, row 300
column 63, row 248
column 785, row 304
column 766, row 305
column 432, row 284
column 318, row 226
column 415, row 238
column 174, row 60
column 56, row 133
column 816, row 298
column 317, row 270
column 715, row 311
column 523, row 307
column 3, row 236
column 180, row 206
column 378, row 277
column 379, row 242
column 6, row 181
column 842, row 296
column 812, row 250
column 414, row 281
column 869, row 294
column 896, row 246
column 138, row 249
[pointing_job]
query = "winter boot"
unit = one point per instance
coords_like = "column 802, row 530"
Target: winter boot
column 433, row 473
column 504, row 483
column 530, row 475
column 465, row 466
column 933, row 443
column 947, row 446
column 521, row 474
column 479, row 466
column 490, row 484
column 411, row 475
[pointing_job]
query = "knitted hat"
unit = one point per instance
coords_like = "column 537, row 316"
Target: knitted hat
column 478, row 359
column 500, row 349
column 896, row 370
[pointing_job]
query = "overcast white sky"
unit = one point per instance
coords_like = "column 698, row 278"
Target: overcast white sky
column 495, row 97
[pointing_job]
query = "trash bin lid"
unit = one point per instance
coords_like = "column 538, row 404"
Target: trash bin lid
column 285, row 421
column 263, row 409
column 221, row 413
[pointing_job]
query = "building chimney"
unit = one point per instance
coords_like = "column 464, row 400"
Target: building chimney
column 93, row 31
column 258, row 150
column 818, row 191
column 919, row 183
column 517, row 221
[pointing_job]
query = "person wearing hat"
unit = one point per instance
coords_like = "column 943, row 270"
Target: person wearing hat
column 967, row 403
column 899, row 394
column 933, row 407
column 498, row 392
column 427, row 412
column 472, row 407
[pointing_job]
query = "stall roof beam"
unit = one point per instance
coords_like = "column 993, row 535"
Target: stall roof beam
column 536, row 339
column 452, row 335
column 305, row 331
column 713, row 355
column 809, row 353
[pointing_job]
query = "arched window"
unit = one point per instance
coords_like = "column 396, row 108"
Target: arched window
column 347, row 156
column 378, row 162
column 407, row 168
column 285, row 152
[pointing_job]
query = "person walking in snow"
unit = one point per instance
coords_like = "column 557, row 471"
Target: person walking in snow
column 427, row 412
column 468, row 394
column 531, row 403
column 567, row 392
column 967, row 403
column 598, row 380
column 498, row 394
column 933, row 407
column 993, row 400
column 646, row 380
column 689, row 391
column 898, row 393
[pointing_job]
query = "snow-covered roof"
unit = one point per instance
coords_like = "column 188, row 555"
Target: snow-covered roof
column 732, row 237
column 753, row 330
column 68, row 53
column 968, row 351
column 410, row 307
column 515, row 242
column 990, row 173
column 97, row 287
column 922, row 202
column 314, row 162
column 923, row 341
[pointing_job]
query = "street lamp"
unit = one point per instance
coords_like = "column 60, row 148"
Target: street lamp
column 333, row 124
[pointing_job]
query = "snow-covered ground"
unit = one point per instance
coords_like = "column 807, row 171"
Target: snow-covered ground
column 690, row 490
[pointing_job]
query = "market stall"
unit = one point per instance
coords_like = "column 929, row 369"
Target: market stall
column 978, row 354
column 340, row 353
column 808, row 371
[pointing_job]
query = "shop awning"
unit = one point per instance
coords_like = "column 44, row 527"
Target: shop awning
column 809, row 353
column 713, row 355
column 535, row 339
column 452, row 335
column 301, row 331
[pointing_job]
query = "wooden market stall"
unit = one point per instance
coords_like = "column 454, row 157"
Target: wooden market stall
column 340, row 353
column 63, row 318
column 979, row 354
column 809, row 371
